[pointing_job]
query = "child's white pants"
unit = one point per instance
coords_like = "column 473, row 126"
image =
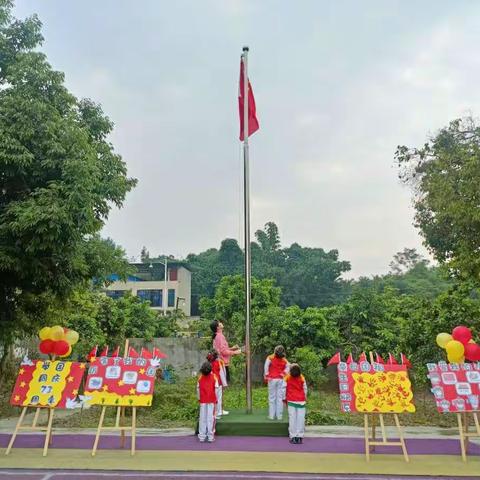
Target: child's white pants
column 219, row 394
column 296, row 421
column 206, row 422
column 275, row 402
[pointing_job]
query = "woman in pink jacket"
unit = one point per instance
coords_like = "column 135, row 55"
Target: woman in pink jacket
column 220, row 344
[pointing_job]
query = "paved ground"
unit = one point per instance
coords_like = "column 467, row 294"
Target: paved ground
column 99, row 475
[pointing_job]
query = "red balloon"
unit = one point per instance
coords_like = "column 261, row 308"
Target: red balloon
column 46, row 346
column 462, row 334
column 472, row 352
column 61, row 347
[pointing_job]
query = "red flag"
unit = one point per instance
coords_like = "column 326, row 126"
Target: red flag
column 362, row 357
column 334, row 360
column 92, row 353
column 116, row 352
column 104, row 352
column 253, row 125
column 144, row 353
column 379, row 359
column 350, row 359
column 391, row 360
column 157, row 353
column 132, row 353
column 405, row 361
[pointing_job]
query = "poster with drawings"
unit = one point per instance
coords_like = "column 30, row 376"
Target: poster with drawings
column 117, row 381
column 374, row 388
column 456, row 387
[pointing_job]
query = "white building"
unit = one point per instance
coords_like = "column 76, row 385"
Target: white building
column 148, row 282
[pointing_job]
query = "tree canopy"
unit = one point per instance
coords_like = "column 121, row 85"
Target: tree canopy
column 444, row 175
column 59, row 178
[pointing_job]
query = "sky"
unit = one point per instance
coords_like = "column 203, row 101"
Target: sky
column 338, row 85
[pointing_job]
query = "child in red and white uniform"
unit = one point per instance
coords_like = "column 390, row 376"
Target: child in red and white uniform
column 276, row 367
column 206, row 387
column 294, row 392
column 218, row 368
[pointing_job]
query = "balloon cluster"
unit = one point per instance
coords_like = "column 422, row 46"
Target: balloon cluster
column 57, row 340
column 459, row 345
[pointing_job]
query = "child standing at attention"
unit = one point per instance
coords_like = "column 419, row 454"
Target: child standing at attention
column 295, row 393
column 276, row 367
column 218, row 368
column 206, row 386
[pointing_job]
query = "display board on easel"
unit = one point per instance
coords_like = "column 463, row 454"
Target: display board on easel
column 48, row 385
column 123, row 383
column 375, row 388
column 456, row 385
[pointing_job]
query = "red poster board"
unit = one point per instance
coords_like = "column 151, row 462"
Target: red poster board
column 117, row 381
column 369, row 388
column 46, row 383
column 456, row 387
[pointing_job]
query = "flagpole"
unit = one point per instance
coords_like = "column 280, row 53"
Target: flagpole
column 246, row 205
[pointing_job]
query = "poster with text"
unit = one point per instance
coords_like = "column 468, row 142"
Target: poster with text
column 46, row 383
column 374, row 388
column 119, row 381
column 456, row 387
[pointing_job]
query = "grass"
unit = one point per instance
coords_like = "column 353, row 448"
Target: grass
column 175, row 405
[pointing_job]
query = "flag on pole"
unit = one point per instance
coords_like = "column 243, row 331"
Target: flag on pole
column 253, row 125
column 405, row 361
column 144, row 353
column 92, row 353
column 116, row 352
column 350, row 359
column 157, row 353
column 104, row 352
column 334, row 360
column 132, row 353
column 362, row 357
column 379, row 359
column 391, row 360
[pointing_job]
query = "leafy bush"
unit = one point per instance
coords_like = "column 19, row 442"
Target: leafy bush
column 311, row 365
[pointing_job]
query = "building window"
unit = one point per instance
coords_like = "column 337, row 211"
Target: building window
column 171, row 297
column 115, row 294
column 152, row 296
column 173, row 274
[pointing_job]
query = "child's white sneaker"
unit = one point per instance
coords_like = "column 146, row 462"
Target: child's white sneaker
column 224, row 412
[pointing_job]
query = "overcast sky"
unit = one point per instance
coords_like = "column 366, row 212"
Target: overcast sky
column 338, row 86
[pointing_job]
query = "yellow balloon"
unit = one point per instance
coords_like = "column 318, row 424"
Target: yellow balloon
column 443, row 339
column 44, row 333
column 71, row 337
column 57, row 333
column 68, row 353
column 455, row 349
column 454, row 359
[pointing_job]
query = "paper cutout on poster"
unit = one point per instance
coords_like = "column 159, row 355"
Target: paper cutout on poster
column 369, row 388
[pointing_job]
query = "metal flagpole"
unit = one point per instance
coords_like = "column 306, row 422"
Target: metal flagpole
column 248, row 263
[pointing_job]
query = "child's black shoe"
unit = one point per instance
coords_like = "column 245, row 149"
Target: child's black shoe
column 299, row 440
column 292, row 440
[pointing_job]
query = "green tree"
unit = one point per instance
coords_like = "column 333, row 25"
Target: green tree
column 228, row 303
column 444, row 174
column 59, row 178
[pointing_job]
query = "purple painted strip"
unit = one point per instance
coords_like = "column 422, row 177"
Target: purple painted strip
column 416, row 446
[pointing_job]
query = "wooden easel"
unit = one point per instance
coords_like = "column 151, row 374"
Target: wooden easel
column 373, row 442
column 119, row 422
column 33, row 427
column 463, row 429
